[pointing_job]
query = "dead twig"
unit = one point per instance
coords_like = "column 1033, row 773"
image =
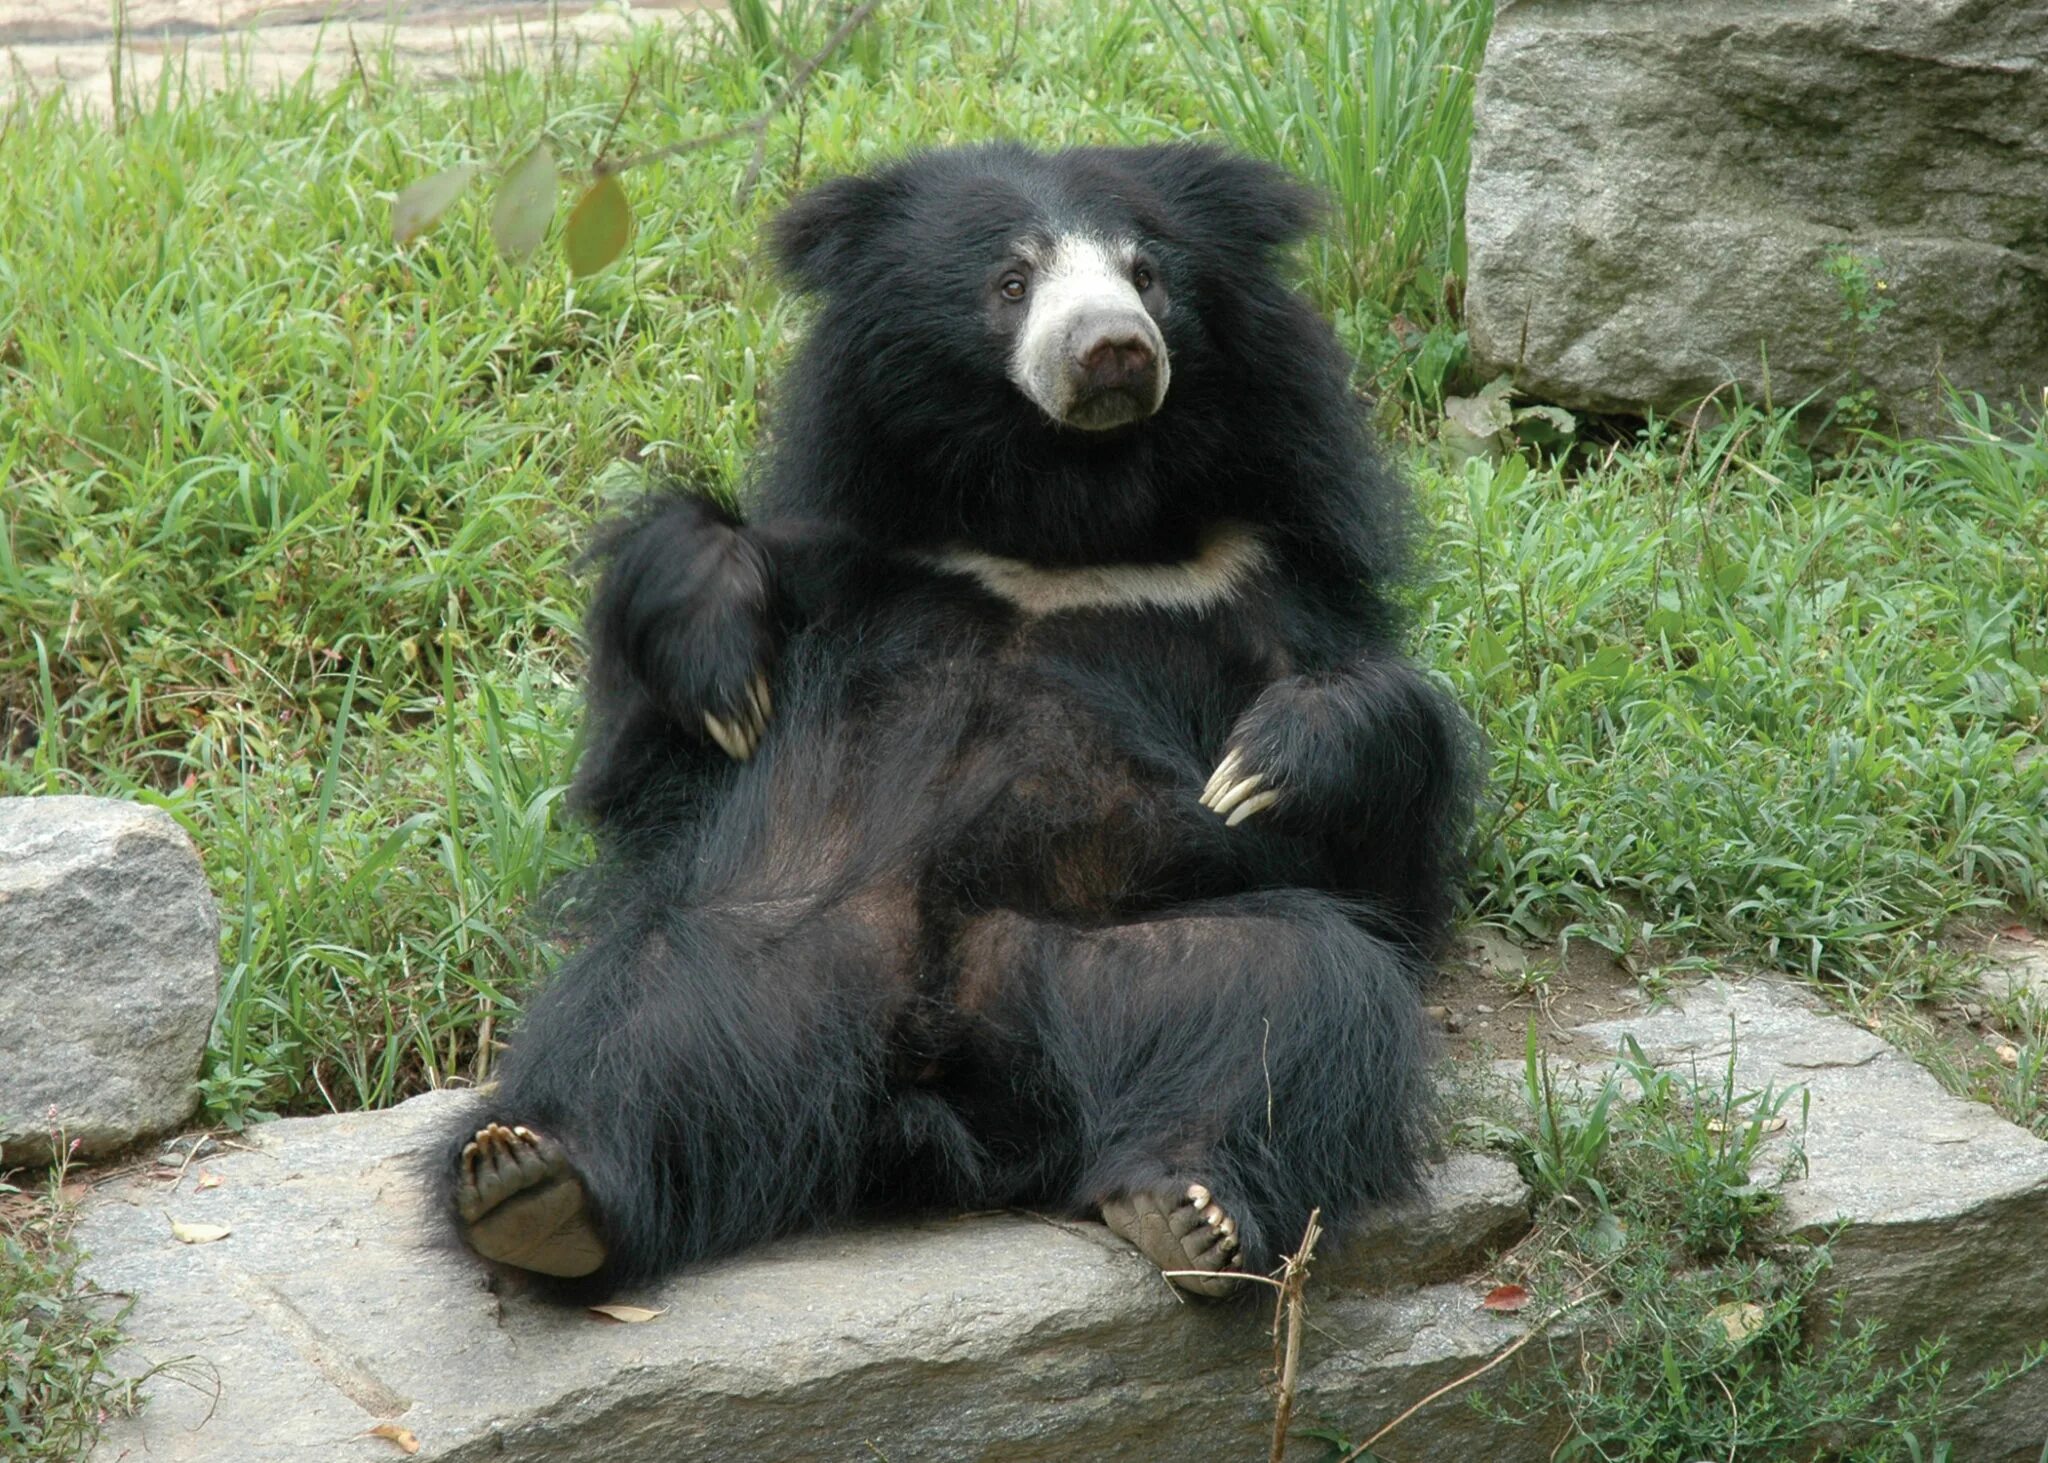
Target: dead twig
column 757, row 126
column 1472, row 1376
column 1290, row 1306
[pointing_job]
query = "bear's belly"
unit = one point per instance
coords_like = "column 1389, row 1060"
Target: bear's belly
column 1076, row 783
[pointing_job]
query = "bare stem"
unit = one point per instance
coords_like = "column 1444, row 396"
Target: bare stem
column 1291, row 1306
column 756, row 126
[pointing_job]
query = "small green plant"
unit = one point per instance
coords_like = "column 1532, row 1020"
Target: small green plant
column 1488, row 424
column 1678, row 1363
column 1859, row 282
column 1565, row 1154
column 1694, row 1160
column 1371, row 100
column 1677, row 1326
column 55, row 1334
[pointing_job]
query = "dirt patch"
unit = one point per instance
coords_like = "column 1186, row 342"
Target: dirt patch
column 75, row 45
column 1490, row 989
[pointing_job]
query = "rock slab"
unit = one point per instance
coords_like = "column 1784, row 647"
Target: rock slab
column 1656, row 185
column 109, row 970
column 329, row 1309
column 1941, row 1204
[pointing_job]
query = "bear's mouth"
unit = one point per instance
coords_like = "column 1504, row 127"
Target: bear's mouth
column 1106, row 409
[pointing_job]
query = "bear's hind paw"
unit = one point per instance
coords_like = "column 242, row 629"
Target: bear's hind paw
column 522, row 1204
column 1186, row 1233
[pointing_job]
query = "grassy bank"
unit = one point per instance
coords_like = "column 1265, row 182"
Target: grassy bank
column 289, row 520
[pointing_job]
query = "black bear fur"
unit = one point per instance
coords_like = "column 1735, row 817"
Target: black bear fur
column 960, row 933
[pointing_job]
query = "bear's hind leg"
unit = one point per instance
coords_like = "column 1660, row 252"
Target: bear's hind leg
column 695, row 1080
column 1221, row 1069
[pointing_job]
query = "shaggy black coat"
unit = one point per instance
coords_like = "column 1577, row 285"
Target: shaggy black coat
column 960, row 933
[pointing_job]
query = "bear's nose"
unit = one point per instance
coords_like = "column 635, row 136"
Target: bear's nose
column 1116, row 360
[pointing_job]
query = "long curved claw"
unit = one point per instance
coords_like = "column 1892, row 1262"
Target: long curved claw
column 1237, row 792
column 731, row 740
column 1222, row 777
column 1252, row 805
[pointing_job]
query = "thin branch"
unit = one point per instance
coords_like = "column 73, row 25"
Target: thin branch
column 798, row 80
column 1293, row 1279
column 680, row 149
column 1472, row 1376
column 632, row 90
column 757, row 126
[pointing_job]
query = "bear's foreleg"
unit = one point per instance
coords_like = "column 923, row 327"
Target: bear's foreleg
column 1221, row 1070
column 1373, row 755
column 688, row 614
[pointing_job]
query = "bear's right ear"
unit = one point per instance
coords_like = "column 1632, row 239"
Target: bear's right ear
column 818, row 236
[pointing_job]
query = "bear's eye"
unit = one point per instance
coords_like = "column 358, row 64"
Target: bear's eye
column 1142, row 277
column 1012, row 286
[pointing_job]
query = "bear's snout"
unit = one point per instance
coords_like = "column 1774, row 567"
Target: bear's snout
column 1088, row 352
column 1114, row 370
column 1117, row 359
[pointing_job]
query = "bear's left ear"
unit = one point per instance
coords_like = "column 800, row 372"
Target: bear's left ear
column 818, row 235
column 1214, row 193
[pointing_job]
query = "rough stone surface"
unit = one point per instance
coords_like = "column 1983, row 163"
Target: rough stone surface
column 1655, row 184
column 1944, row 1204
column 1477, row 1205
column 328, row 1309
column 109, row 968
column 2018, row 971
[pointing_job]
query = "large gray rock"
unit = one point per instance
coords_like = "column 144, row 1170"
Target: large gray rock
column 1942, row 1204
column 109, row 968
column 328, row 1309
column 1656, row 183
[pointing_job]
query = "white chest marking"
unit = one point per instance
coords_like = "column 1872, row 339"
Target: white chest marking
column 1229, row 556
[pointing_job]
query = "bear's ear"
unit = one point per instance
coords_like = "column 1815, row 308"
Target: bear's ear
column 818, row 235
column 1212, row 193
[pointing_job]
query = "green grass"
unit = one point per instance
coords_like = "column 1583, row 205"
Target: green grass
column 1735, row 705
column 55, row 1333
column 1675, row 1322
column 289, row 517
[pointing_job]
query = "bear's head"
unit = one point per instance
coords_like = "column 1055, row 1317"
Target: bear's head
column 1057, row 356
column 1064, row 275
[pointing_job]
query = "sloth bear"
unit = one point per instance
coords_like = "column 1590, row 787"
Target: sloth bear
column 1028, row 803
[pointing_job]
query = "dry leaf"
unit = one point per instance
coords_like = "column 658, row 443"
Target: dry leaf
column 1506, row 1298
column 1740, row 1319
column 2019, row 934
column 1766, row 1125
column 631, row 1315
column 197, row 1234
column 397, row 1435
column 598, row 227
column 415, row 210
column 207, row 1180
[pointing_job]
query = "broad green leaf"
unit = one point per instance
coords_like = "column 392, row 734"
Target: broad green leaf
column 1560, row 420
column 1484, row 415
column 419, row 207
column 526, row 204
column 598, row 226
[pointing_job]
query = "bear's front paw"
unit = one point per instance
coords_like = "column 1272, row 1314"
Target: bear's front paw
column 739, row 732
column 1236, row 790
column 1298, row 749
